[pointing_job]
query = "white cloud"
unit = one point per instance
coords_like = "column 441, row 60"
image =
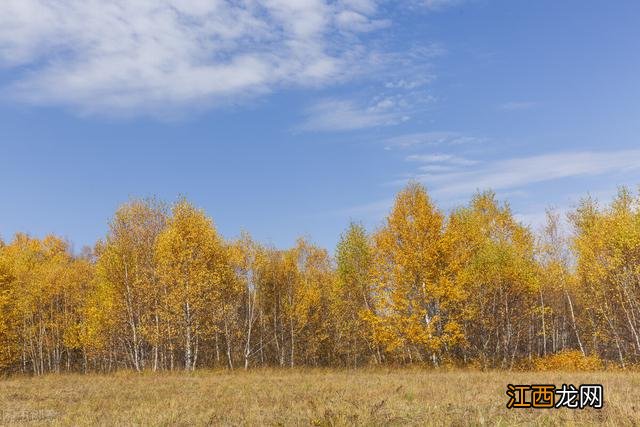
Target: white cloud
column 517, row 105
column 431, row 138
column 437, row 168
column 151, row 55
column 344, row 115
column 350, row 20
column 440, row 4
column 410, row 83
column 452, row 185
column 441, row 158
column 520, row 172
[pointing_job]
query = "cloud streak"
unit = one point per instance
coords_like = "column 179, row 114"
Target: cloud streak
column 523, row 171
column 518, row 105
column 452, row 182
column 331, row 115
column 448, row 159
column 441, row 4
column 415, row 140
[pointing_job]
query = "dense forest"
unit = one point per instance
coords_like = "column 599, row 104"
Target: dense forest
column 164, row 291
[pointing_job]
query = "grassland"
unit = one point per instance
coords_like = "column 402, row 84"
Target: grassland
column 305, row 397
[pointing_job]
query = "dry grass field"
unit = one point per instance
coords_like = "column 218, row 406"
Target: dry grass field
column 305, row 397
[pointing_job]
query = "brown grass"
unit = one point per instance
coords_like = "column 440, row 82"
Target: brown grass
column 305, row 397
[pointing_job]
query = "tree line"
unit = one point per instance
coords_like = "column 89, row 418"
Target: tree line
column 164, row 291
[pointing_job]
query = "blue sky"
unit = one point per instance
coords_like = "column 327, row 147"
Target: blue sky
column 289, row 118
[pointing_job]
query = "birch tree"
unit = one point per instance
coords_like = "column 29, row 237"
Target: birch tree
column 193, row 265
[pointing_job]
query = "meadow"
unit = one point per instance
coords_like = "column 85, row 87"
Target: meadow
column 305, row 397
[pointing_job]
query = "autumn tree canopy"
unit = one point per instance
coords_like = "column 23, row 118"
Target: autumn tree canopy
column 164, row 290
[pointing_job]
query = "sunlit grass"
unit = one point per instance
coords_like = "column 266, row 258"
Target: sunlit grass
column 305, row 397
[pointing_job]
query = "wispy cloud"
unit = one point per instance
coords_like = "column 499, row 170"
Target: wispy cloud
column 535, row 215
column 452, row 184
column 520, row 172
column 440, row 4
column 517, row 105
column 448, row 159
column 410, row 82
column 146, row 55
column 158, row 56
column 331, row 115
column 431, row 138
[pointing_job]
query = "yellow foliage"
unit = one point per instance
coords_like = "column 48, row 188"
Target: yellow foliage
column 568, row 360
column 471, row 288
column 415, row 303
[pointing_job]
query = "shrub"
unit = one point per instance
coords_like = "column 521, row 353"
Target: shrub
column 567, row 360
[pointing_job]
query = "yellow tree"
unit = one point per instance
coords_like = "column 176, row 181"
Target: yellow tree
column 557, row 290
column 40, row 299
column 414, row 301
column 65, row 279
column 126, row 271
column 607, row 245
column 491, row 259
column 300, row 287
column 27, row 295
column 352, row 299
column 194, row 266
column 271, row 280
column 247, row 257
column 78, row 278
column 9, row 345
column 313, row 302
